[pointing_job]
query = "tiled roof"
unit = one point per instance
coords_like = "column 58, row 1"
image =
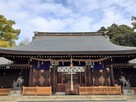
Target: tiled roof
column 65, row 42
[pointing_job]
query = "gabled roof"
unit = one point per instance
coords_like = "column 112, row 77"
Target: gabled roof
column 76, row 42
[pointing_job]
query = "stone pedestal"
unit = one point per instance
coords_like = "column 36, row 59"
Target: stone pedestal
column 128, row 91
column 15, row 93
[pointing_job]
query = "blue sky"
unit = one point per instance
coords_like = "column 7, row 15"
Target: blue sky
column 66, row 15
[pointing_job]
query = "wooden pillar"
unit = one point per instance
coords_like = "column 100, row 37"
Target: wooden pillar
column 80, row 79
column 89, row 75
column 54, row 78
column 85, row 76
column 112, row 76
column 31, row 76
column 61, row 78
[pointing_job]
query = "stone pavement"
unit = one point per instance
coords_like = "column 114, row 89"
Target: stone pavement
column 70, row 98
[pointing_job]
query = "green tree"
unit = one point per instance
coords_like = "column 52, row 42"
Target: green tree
column 8, row 34
column 121, row 34
column 133, row 19
column 130, row 39
column 102, row 29
column 118, row 34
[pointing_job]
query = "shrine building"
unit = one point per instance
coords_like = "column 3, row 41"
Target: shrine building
column 59, row 59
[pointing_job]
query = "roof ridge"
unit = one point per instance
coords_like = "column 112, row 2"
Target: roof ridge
column 67, row 33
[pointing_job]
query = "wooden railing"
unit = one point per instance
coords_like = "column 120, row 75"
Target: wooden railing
column 114, row 90
column 5, row 91
column 37, row 91
column 100, row 90
column 134, row 89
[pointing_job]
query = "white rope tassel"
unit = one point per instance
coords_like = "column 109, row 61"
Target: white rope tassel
column 71, row 67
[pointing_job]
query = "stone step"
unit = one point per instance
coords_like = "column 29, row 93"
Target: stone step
column 61, row 98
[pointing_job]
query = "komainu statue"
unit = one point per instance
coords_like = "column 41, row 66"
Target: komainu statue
column 125, row 82
column 17, row 85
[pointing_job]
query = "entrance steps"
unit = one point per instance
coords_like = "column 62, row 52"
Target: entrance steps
column 67, row 98
column 60, row 93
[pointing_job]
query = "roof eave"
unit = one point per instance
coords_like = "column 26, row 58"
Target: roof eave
column 17, row 52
